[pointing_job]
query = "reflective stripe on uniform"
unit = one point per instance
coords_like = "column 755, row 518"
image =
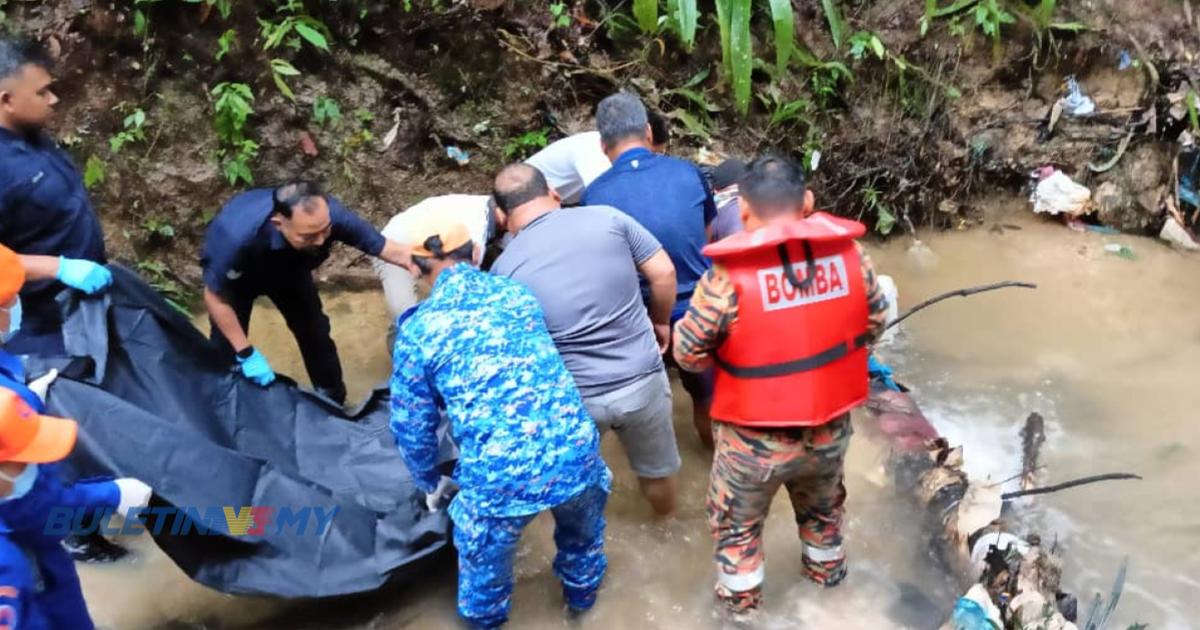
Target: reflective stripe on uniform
column 819, row 554
column 738, row 582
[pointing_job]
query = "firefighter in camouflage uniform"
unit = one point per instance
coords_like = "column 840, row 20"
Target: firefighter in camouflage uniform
column 785, row 315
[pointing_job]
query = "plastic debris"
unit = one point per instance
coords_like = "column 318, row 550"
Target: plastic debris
column 1175, row 234
column 1101, row 229
column 1075, row 103
column 1058, row 194
column 458, row 155
column 1124, row 60
column 815, row 161
column 1120, row 250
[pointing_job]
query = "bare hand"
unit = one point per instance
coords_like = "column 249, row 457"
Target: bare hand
column 662, row 334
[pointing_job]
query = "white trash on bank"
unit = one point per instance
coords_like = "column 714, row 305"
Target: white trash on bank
column 1175, row 234
column 892, row 293
column 1075, row 103
column 1057, row 194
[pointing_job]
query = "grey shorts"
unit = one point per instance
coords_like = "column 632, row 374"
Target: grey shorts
column 640, row 415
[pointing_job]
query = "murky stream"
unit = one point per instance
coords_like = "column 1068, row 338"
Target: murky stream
column 1106, row 350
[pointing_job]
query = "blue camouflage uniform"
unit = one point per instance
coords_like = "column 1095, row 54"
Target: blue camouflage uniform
column 479, row 349
column 34, row 565
column 44, row 210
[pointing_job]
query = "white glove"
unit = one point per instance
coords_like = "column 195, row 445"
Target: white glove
column 444, row 490
column 41, row 384
column 134, row 494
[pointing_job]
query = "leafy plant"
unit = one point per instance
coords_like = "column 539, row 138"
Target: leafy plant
column 684, row 17
column 646, row 14
column 326, row 111
column 281, row 68
column 784, row 21
column 233, row 108
column 159, row 277
column 526, row 144
column 784, row 112
column 737, row 55
column 885, row 221
column 1193, row 115
column 864, row 41
column 293, row 30
column 93, row 172
column 158, row 228
column 837, row 26
column 225, row 43
column 559, row 18
column 989, row 17
column 134, row 131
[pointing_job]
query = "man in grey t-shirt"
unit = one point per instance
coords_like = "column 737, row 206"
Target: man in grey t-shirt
column 583, row 265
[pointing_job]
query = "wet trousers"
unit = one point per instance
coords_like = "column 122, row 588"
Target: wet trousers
column 487, row 544
column 296, row 297
column 749, row 466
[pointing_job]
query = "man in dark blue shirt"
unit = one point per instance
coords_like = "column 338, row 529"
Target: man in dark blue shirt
column 268, row 242
column 671, row 199
column 45, row 215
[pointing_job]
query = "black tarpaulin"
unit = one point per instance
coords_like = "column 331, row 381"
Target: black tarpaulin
column 155, row 402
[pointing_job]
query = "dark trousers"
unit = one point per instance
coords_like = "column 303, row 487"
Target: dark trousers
column 296, row 297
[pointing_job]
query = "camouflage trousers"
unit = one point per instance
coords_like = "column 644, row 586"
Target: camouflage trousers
column 749, row 466
column 486, row 546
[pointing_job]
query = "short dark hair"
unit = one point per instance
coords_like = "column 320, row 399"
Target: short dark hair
column 728, row 173
column 17, row 52
column 463, row 253
column 292, row 194
column 660, row 127
column 621, row 116
column 772, row 185
column 518, row 184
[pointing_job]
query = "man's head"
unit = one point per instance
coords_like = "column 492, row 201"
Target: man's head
column 623, row 124
column 438, row 243
column 773, row 188
column 520, row 194
column 660, row 131
column 727, row 174
column 28, row 438
column 26, row 100
column 301, row 214
column 12, row 278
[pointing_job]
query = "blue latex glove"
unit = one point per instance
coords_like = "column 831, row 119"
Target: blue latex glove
column 85, row 275
column 256, row 369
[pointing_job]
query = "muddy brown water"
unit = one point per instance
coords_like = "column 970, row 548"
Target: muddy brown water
column 1106, row 350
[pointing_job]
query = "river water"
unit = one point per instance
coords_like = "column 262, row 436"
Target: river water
column 1106, row 350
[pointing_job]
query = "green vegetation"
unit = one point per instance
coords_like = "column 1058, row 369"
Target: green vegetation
column 559, row 17
column 93, row 172
column 526, row 144
column 159, row 277
column 326, row 111
column 134, row 129
column 233, row 109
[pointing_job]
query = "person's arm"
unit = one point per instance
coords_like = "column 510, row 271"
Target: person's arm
column 415, row 417
column 39, row 267
column 226, row 320
column 877, row 304
column 16, row 587
column 709, row 317
column 660, row 275
column 399, row 254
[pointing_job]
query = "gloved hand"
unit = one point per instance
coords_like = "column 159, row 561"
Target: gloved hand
column 256, row 369
column 441, row 495
column 134, row 494
column 85, row 275
column 41, row 384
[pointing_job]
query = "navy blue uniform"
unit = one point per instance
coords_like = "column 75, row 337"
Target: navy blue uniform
column 44, row 210
column 36, row 572
column 245, row 256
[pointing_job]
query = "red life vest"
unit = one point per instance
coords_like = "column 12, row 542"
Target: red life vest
column 796, row 354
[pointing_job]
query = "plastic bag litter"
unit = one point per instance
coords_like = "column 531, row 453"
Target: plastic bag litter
column 1058, row 194
column 1075, row 103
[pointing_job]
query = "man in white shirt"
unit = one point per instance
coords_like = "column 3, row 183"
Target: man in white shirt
column 473, row 211
column 570, row 164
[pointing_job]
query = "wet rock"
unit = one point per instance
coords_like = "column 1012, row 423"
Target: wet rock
column 1129, row 199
